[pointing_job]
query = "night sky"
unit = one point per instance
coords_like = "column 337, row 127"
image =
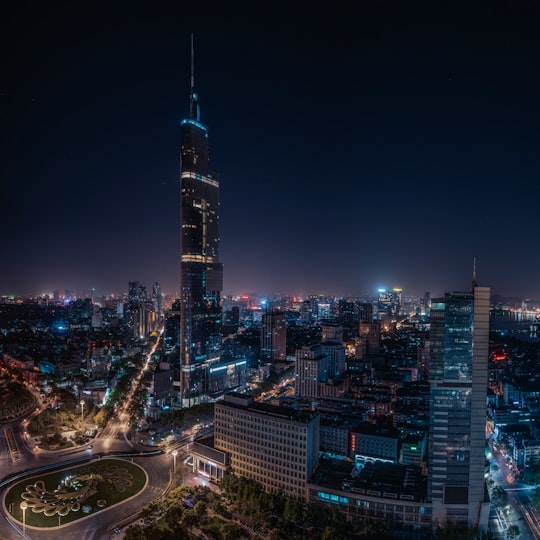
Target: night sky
column 387, row 146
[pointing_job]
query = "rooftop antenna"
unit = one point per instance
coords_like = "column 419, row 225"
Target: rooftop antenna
column 192, row 86
column 193, row 98
column 474, row 283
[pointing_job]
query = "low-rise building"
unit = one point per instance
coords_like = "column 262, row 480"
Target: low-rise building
column 276, row 446
column 374, row 442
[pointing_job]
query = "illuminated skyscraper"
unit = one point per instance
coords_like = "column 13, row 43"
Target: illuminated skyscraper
column 311, row 370
column 200, row 269
column 273, row 338
column 459, row 339
column 157, row 300
column 333, row 348
column 388, row 304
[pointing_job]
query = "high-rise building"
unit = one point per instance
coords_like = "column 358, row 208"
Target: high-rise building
column 333, row 348
column 458, row 368
column 136, row 292
column 99, row 361
column 157, row 300
column 365, row 312
column 370, row 333
column 425, row 303
column 171, row 329
column 273, row 338
column 135, row 309
column 348, row 316
column 311, row 370
column 389, row 304
column 201, row 273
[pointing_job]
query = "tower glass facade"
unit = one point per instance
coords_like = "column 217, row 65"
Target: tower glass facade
column 459, row 339
column 200, row 269
column 273, row 337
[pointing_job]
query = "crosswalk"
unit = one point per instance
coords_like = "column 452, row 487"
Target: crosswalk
column 4, row 450
column 9, row 445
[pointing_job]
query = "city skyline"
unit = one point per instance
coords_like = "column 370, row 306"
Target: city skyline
column 388, row 150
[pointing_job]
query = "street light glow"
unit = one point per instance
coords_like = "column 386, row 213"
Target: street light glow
column 24, row 506
column 174, row 454
column 82, row 413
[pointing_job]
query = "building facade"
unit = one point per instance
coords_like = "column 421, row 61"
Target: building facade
column 459, row 339
column 370, row 335
column 201, row 273
column 311, row 371
column 273, row 338
column 371, row 442
column 276, row 446
column 333, row 348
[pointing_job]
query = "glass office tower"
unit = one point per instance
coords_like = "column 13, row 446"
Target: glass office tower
column 459, row 339
column 200, row 269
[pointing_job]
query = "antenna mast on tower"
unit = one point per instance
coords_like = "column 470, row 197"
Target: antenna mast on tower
column 193, row 98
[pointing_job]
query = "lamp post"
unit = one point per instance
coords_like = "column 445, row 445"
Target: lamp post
column 24, row 506
column 82, row 412
column 174, row 454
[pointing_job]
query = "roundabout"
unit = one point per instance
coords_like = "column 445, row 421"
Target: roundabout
column 76, row 492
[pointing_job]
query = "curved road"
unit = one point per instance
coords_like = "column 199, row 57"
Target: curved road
column 16, row 458
column 97, row 527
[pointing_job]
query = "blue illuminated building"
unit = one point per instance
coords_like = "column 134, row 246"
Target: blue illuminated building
column 201, row 273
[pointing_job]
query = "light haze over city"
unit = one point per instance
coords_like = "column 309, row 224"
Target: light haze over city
column 388, row 149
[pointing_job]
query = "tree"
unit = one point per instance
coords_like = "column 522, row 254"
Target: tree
column 533, row 474
column 103, row 415
column 499, row 497
column 152, row 511
column 219, row 508
column 293, row 509
column 535, row 496
column 189, row 519
column 454, row 532
column 231, row 531
column 174, row 516
column 157, row 532
column 200, row 510
column 134, row 532
column 332, row 533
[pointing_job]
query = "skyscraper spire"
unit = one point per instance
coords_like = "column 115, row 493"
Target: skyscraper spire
column 474, row 282
column 194, row 112
column 201, row 272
